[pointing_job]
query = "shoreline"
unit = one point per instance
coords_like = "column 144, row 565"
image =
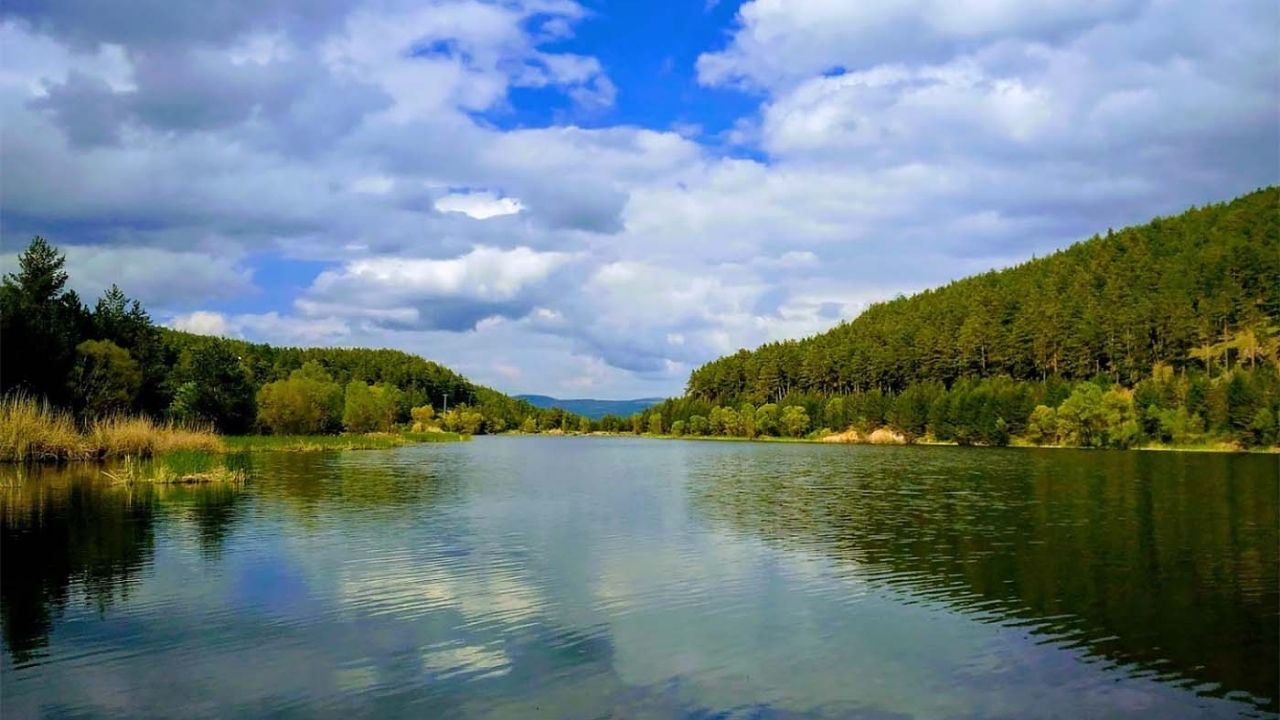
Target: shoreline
column 1223, row 448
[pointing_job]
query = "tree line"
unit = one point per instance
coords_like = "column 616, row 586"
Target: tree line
column 1161, row 332
column 112, row 359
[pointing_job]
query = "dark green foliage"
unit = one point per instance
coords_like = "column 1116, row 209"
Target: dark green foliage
column 1111, row 306
column 1184, row 310
column 126, row 363
column 308, row 403
column 106, row 378
column 214, row 386
column 41, row 324
column 124, row 322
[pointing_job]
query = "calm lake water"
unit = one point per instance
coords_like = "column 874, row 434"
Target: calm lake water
column 585, row 577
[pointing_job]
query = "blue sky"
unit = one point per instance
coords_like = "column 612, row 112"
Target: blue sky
column 593, row 198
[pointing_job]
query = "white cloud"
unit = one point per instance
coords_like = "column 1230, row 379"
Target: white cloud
column 282, row 329
column 158, row 277
column 895, row 145
column 778, row 42
column 203, row 322
column 479, row 205
column 485, row 273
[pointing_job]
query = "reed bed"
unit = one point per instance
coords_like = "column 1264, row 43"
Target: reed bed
column 34, row 431
column 180, row 468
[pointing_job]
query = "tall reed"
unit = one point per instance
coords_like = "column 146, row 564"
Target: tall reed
column 34, row 431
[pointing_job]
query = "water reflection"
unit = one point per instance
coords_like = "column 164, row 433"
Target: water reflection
column 571, row 577
column 1166, row 563
column 68, row 533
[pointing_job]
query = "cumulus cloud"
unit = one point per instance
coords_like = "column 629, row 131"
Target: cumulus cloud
column 777, row 42
column 203, row 322
column 158, row 277
column 286, row 330
column 453, row 293
column 183, row 151
column 479, row 205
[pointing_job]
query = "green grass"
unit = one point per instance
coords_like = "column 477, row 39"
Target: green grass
column 181, row 467
column 317, row 443
column 434, row 437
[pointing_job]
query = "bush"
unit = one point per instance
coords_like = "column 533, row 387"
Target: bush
column 766, row 419
column 655, row 424
column 463, row 419
column 1042, row 426
column 423, row 417
column 795, row 421
column 698, row 425
column 308, row 403
column 370, row 408
column 1080, row 417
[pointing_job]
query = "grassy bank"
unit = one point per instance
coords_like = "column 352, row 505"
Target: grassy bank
column 32, row 431
column 317, row 443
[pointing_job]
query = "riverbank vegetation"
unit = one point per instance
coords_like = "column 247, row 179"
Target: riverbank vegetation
column 311, row 443
column 1167, row 333
column 105, row 381
column 32, row 430
column 180, row 468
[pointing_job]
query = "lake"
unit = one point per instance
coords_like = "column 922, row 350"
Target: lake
column 617, row 577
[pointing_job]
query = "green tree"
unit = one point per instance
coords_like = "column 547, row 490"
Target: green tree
column 1119, row 419
column 1042, row 426
column 1081, row 419
column 910, row 413
column 1242, row 404
column 1179, row 425
column 767, row 419
column 41, row 323
column 1264, row 428
column 107, row 378
column 698, row 425
column 794, row 421
column 307, row 403
column 584, row 425
column 220, row 390
column 655, row 424
column 370, row 408
column 125, row 323
column 463, row 419
column 529, row 426
column 747, row 416
column 423, row 417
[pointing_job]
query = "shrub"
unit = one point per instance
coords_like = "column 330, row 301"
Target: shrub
column 308, row 403
column 1042, row 426
column 795, row 421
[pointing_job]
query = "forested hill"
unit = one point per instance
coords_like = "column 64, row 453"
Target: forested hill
column 1197, row 290
column 111, row 358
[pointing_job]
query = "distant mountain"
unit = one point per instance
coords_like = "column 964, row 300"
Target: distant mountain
column 594, row 409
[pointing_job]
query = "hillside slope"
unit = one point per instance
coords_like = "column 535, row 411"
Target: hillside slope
column 1112, row 305
column 592, row 408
